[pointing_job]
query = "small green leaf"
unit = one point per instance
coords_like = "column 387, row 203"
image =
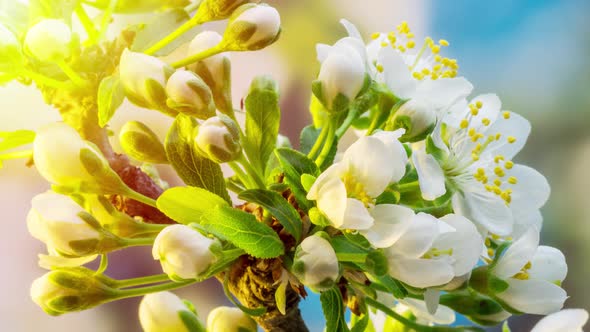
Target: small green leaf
column 294, row 165
column 161, row 26
column 307, row 181
column 191, row 321
column 333, row 310
column 361, row 325
column 187, row 204
column 281, row 297
column 110, row 97
column 244, row 231
column 13, row 139
column 278, row 206
column 263, row 117
column 318, row 218
column 505, row 327
column 194, row 169
column 308, row 137
column 388, row 284
column 433, row 150
column 348, row 252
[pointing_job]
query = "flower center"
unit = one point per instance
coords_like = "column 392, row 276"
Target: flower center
column 435, row 252
column 356, row 190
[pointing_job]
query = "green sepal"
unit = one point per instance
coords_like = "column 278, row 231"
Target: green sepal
column 387, row 283
column 433, row 150
column 191, row 321
column 318, row 92
column 376, row 262
column 156, row 97
column 187, row 205
column 110, row 96
column 318, row 218
column 281, row 297
column 307, row 181
column 497, row 285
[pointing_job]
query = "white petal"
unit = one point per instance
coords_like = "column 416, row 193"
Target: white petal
column 391, row 222
column 533, row 296
column 419, row 272
column 548, row 264
column 485, row 209
column 531, row 190
column 351, row 29
column 51, row 262
column 566, row 320
column 396, row 148
column 367, row 161
column 356, row 215
column 431, row 298
column 430, row 175
column 418, row 238
column 515, row 126
column 329, row 174
column 517, row 255
column 332, row 201
column 525, row 219
column 322, row 51
column 396, row 74
column 465, row 242
column 443, row 92
column 444, row 315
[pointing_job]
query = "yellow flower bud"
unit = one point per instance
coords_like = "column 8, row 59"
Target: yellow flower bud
column 141, row 143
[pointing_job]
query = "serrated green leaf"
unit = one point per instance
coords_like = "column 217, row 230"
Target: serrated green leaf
column 295, row 164
column 263, row 118
column 12, row 139
column 110, row 96
column 186, row 205
column 194, row 169
column 333, row 310
column 278, row 206
column 244, row 231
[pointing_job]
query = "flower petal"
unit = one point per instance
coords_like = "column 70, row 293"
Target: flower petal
column 391, row 222
column 533, row 296
column 531, row 190
column 548, row 264
column 517, row 255
column 351, row 29
column 566, row 320
column 443, row 92
column 525, row 219
column 396, row 149
column 367, row 161
column 465, row 243
column 332, row 201
column 418, row 238
column 443, row 315
column 485, row 209
column 515, row 127
column 420, row 272
column 431, row 299
column 430, row 175
column 356, row 215
column 396, row 74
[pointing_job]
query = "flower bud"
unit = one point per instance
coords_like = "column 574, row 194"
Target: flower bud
column 190, row 95
column 184, row 252
column 49, row 40
column 218, row 138
column 228, row 319
column 10, row 50
column 341, row 78
column 64, row 158
column 164, row 311
column 144, row 80
column 141, row 143
column 67, row 290
column 211, row 10
column 252, row 27
column 417, row 117
column 315, row 263
column 63, row 225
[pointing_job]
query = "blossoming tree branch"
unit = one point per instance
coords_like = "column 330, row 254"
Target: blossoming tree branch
column 424, row 216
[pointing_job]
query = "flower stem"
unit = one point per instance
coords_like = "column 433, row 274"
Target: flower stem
column 347, row 122
column 123, row 294
column 125, row 283
column 199, row 56
column 318, row 143
column 39, row 78
column 171, row 37
column 79, row 81
column 141, row 198
column 251, row 171
column 104, row 263
column 327, row 146
column 106, row 18
column 17, row 155
column 246, row 181
column 410, row 186
column 87, row 23
column 138, row 242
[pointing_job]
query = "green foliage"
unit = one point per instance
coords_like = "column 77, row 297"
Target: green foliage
column 308, row 136
column 263, row 118
column 294, row 165
column 244, row 231
column 333, row 310
column 187, row 205
column 194, row 169
column 110, row 96
column 13, row 139
column 190, row 321
column 278, row 206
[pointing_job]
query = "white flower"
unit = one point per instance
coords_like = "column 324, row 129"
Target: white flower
column 218, row 138
column 184, row 252
column 417, row 118
column 475, row 152
column 346, row 191
column 228, row 319
column 161, row 312
column 215, row 69
column 49, row 40
column 189, row 94
column 144, row 78
column 55, row 220
column 566, row 320
column 434, row 251
column 315, row 263
column 533, row 274
column 252, row 27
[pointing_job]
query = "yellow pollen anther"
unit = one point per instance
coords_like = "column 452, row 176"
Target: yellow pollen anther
column 511, row 139
column 498, row 158
column 417, row 75
column 488, row 242
column 498, row 135
column 384, row 44
column 499, row 171
column 509, row 164
column 474, row 157
column 464, row 123
column 443, row 42
column 490, row 252
column 498, row 182
column 410, row 44
column 375, row 35
column 521, row 276
column 472, row 132
column 497, row 190
column 474, row 111
column 435, row 49
column 478, row 104
column 485, row 121
column 437, row 58
column 506, row 115
column 379, row 68
column 481, row 171
column 401, row 49
column 512, row 180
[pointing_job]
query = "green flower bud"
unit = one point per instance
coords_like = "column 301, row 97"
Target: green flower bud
column 315, row 263
column 218, row 138
column 67, row 290
column 10, row 50
column 228, row 319
column 252, row 27
column 212, row 10
column 417, row 117
column 141, row 143
column 164, row 311
column 190, row 95
column 144, row 79
column 49, row 40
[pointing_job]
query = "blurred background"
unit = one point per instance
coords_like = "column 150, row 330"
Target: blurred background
column 535, row 54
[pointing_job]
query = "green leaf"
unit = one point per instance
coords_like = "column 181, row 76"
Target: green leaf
column 12, row 139
column 263, row 118
column 318, row 218
column 244, row 231
column 505, row 327
column 294, row 165
column 348, row 252
column 194, row 169
column 281, row 297
column 278, row 206
column 333, row 310
column 110, row 97
column 361, row 325
column 388, row 284
column 161, row 26
column 308, row 137
column 186, row 205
